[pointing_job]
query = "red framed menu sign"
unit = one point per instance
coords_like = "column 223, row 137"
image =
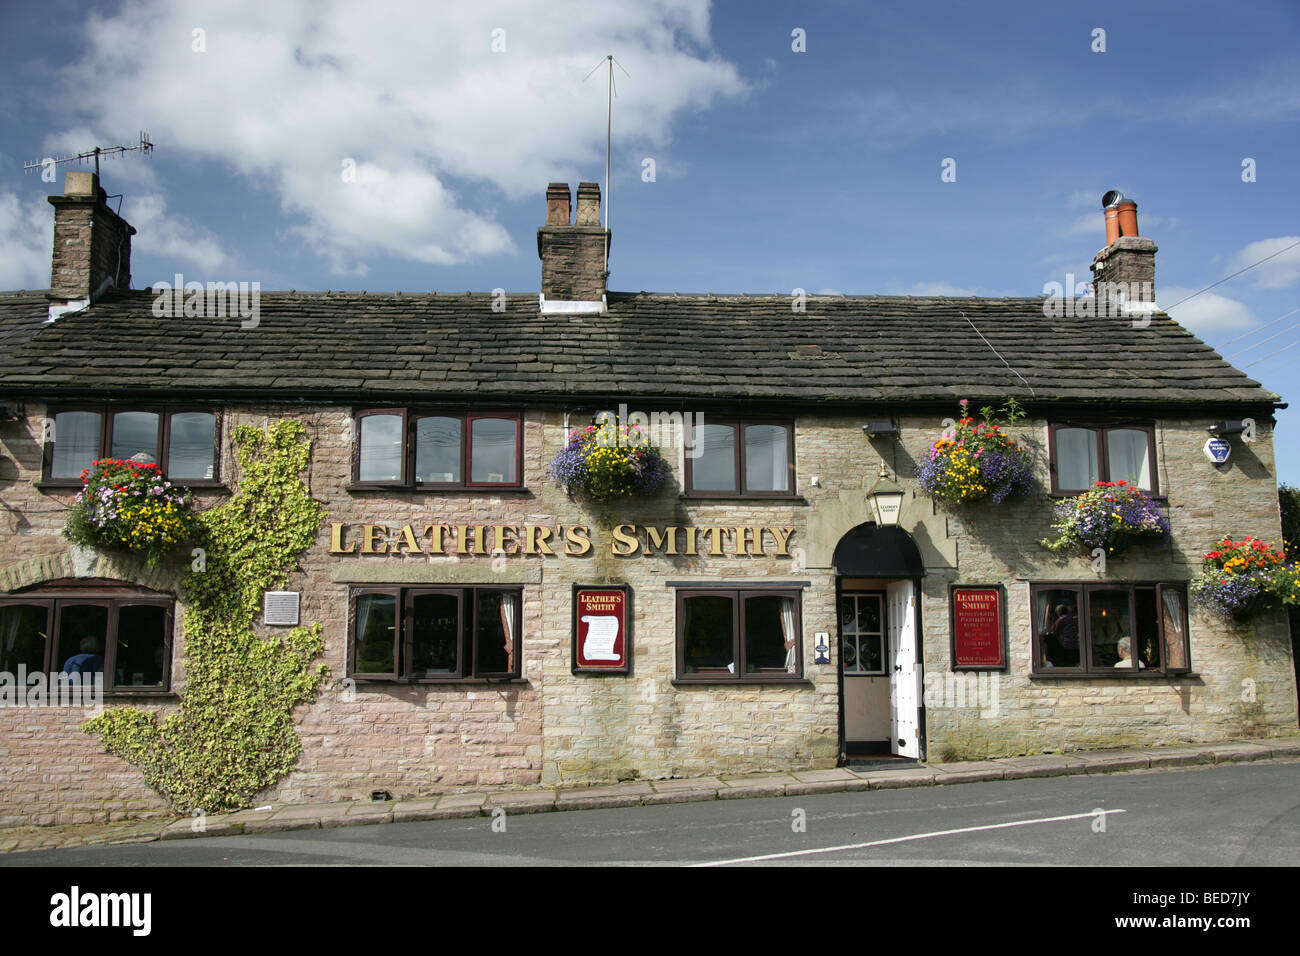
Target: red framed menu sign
column 602, row 640
column 978, row 637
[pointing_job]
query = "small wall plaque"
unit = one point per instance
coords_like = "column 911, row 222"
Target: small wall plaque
column 822, row 647
column 280, row 608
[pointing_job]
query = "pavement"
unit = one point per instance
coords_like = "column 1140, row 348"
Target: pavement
column 644, row 793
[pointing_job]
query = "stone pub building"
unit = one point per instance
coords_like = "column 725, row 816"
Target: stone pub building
column 761, row 612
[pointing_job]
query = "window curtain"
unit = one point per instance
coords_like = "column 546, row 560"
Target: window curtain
column 787, row 629
column 509, row 604
column 1127, row 450
column 1048, row 646
column 1175, row 645
column 76, row 443
column 10, row 636
column 1045, row 611
column 364, row 603
column 1076, row 458
column 780, row 471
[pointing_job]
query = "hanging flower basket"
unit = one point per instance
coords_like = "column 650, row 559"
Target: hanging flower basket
column 127, row 506
column 1241, row 578
column 604, row 462
column 1111, row 515
column 979, row 461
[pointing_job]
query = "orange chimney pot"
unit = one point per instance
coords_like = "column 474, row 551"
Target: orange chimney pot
column 1128, row 217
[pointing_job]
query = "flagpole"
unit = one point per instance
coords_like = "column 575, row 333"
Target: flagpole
column 609, row 112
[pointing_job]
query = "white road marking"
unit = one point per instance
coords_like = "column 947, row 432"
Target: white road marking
column 904, row 839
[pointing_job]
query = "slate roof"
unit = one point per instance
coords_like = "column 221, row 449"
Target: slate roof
column 21, row 316
column 361, row 346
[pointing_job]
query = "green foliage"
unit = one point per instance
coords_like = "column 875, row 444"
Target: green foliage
column 1289, row 498
column 1010, row 413
column 233, row 735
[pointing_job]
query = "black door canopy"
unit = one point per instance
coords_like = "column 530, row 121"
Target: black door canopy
column 870, row 551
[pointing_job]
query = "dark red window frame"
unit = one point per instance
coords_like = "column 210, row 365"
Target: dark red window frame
column 410, row 416
column 1087, row 667
column 106, row 413
column 738, row 597
column 739, row 425
column 467, row 669
column 1099, row 430
column 55, row 599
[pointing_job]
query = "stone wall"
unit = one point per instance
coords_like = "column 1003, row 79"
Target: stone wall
column 557, row 728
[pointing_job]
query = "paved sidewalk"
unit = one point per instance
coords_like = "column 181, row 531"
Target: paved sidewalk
column 646, row 793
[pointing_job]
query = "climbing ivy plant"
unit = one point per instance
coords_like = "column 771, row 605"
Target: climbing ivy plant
column 233, row 735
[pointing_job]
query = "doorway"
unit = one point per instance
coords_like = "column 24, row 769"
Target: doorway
column 879, row 640
column 864, row 668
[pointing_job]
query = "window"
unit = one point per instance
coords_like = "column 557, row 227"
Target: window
column 1083, row 455
column 862, row 633
column 182, row 442
column 124, row 635
column 436, row 633
column 734, row 458
column 741, row 635
column 403, row 448
column 1110, row 629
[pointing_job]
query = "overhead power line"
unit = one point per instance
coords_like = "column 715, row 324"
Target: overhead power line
column 1262, row 341
column 1271, row 354
column 1269, row 325
column 1233, row 276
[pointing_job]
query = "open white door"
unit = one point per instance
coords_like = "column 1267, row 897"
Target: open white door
column 905, row 695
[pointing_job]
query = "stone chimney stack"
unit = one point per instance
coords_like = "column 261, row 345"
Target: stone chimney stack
column 573, row 254
column 1126, row 268
column 92, row 245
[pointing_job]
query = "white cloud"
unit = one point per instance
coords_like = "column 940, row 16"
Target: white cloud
column 27, row 238
column 1281, row 271
column 173, row 237
column 1207, row 313
column 1094, row 223
column 935, row 289
column 1263, row 91
column 1083, row 225
column 412, row 93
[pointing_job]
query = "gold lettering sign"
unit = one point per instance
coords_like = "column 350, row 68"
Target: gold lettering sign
column 624, row 540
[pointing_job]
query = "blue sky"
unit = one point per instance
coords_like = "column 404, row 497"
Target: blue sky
column 774, row 169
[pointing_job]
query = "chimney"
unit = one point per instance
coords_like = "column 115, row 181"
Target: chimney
column 92, row 245
column 572, row 254
column 1126, row 268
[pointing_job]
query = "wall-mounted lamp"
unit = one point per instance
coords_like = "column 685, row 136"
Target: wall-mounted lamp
column 9, row 414
column 886, row 499
column 880, row 429
column 1219, row 429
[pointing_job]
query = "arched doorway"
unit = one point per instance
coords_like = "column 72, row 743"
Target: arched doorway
column 877, row 589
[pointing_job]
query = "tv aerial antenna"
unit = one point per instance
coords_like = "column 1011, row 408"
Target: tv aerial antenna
column 145, row 146
column 610, row 93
